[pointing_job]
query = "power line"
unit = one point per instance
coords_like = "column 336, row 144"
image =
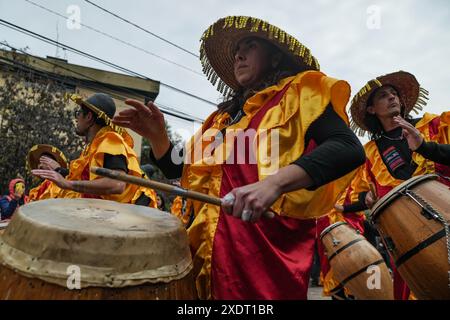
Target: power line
column 113, row 94
column 92, row 57
column 169, row 110
column 141, row 28
column 117, row 39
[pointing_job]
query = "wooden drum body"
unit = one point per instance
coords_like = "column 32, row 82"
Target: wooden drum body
column 94, row 249
column 3, row 225
column 411, row 220
column 355, row 263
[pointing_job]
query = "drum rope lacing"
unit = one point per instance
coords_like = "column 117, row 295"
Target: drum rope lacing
column 435, row 215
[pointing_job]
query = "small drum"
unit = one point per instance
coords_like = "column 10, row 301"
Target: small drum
column 94, row 249
column 356, row 264
column 413, row 222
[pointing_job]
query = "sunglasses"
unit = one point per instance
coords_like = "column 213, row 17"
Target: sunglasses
column 78, row 111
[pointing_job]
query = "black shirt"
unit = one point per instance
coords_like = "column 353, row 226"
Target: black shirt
column 113, row 162
column 337, row 153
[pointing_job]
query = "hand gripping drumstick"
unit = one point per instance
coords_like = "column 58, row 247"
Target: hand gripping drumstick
column 163, row 187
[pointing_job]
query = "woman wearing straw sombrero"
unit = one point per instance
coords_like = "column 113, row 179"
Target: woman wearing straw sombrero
column 304, row 151
column 400, row 147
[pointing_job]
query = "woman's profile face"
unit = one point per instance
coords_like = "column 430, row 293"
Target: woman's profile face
column 252, row 60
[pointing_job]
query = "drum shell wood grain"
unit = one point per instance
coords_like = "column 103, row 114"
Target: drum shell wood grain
column 355, row 261
column 14, row 286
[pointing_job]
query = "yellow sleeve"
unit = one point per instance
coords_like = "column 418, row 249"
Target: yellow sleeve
column 112, row 143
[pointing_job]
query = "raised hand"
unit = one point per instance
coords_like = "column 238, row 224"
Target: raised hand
column 147, row 121
column 53, row 176
column 47, row 163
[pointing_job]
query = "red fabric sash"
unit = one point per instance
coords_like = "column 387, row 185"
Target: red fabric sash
column 42, row 188
column 270, row 259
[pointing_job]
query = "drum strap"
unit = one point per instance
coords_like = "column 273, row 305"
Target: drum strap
column 428, row 242
column 354, row 275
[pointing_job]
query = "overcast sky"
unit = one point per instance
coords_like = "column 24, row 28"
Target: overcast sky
column 354, row 40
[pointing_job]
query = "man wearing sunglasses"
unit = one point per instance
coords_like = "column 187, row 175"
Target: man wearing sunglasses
column 107, row 146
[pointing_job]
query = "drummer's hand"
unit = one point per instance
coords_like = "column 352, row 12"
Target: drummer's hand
column 411, row 134
column 53, row 176
column 370, row 199
column 339, row 207
column 17, row 195
column 251, row 201
column 147, row 121
column 47, row 163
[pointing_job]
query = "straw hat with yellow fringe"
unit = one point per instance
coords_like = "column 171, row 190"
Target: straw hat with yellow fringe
column 39, row 150
column 412, row 97
column 219, row 40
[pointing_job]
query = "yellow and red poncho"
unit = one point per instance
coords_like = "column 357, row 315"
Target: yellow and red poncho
column 46, row 190
column 105, row 141
column 239, row 260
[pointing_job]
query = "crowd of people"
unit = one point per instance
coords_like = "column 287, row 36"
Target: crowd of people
column 302, row 169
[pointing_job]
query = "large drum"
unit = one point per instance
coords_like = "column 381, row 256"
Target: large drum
column 356, row 264
column 413, row 222
column 106, row 249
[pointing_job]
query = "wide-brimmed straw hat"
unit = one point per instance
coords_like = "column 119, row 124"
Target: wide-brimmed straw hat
column 412, row 97
column 101, row 104
column 219, row 40
column 39, row 150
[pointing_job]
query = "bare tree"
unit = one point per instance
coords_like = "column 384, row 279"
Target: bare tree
column 32, row 111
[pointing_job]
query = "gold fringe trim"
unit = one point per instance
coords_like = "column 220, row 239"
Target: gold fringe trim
column 253, row 25
column 421, row 101
column 100, row 114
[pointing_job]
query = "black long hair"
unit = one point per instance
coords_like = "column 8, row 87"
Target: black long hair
column 285, row 68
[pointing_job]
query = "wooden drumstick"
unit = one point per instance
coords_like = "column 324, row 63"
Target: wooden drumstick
column 116, row 175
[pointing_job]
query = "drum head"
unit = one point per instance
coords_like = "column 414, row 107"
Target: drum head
column 395, row 193
column 112, row 244
column 331, row 227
